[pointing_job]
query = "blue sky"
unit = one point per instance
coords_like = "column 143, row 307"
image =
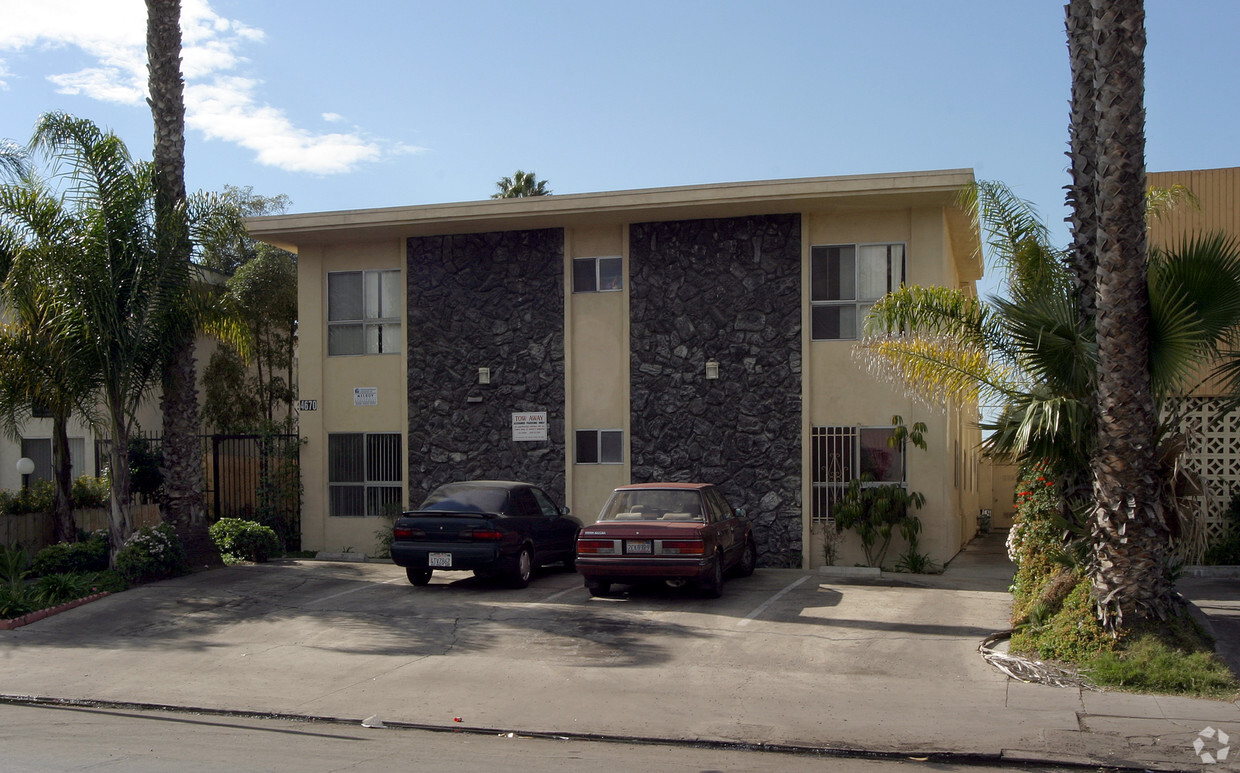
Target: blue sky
column 394, row 102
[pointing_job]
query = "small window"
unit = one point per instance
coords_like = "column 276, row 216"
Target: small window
column 845, row 280
column 363, row 473
column 364, row 310
column 600, row 446
column 595, row 275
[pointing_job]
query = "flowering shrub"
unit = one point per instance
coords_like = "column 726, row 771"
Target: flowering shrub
column 151, row 554
column 241, row 540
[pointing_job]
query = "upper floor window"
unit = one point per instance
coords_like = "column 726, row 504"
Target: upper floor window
column 364, row 312
column 595, row 275
column 847, row 279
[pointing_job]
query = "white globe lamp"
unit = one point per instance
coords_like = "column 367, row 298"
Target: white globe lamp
column 25, row 466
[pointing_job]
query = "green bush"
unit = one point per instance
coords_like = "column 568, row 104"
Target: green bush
column 55, row 589
column 243, row 540
column 1226, row 549
column 37, row 498
column 107, row 581
column 151, row 554
column 89, row 491
column 90, row 555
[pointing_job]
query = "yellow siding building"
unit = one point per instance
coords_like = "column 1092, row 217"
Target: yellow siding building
column 587, row 341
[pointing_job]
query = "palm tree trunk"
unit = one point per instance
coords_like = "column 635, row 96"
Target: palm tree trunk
column 1083, row 139
column 183, row 484
column 120, row 519
column 62, row 467
column 1130, row 535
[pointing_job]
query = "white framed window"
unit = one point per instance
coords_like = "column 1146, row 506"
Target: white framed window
column 363, row 473
column 364, row 311
column 598, row 275
column 845, row 280
column 841, row 454
column 600, row 446
column 39, row 451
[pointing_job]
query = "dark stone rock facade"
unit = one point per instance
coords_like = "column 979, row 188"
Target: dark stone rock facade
column 728, row 290
column 492, row 300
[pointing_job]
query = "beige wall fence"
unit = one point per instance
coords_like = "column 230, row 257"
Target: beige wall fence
column 34, row 531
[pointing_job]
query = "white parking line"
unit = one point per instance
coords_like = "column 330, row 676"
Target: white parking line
column 770, row 601
column 564, row 592
column 354, row 590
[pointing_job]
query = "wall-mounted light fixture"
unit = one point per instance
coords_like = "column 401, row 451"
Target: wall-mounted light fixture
column 484, row 375
column 712, row 370
column 25, row 466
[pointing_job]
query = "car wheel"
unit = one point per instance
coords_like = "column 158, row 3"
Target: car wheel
column 712, row 585
column 598, row 587
column 524, row 570
column 749, row 559
column 418, row 576
column 570, row 562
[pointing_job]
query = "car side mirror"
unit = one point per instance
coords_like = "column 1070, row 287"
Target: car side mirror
column 740, row 512
column 564, row 511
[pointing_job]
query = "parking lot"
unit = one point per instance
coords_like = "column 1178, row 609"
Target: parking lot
column 783, row 656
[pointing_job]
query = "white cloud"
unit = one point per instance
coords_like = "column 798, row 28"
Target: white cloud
column 218, row 102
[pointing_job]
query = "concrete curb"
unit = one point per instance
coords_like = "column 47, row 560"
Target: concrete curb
column 1006, row 757
column 1212, row 571
column 36, row 616
column 850, row 571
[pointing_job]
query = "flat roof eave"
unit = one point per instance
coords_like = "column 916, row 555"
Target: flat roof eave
column 843, row 193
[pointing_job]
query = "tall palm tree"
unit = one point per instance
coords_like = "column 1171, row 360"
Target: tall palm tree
column 44, row 360
column 1031, row 352
column 182, row 456
column 520, row 185
column 121, row 292
column 1129, row 530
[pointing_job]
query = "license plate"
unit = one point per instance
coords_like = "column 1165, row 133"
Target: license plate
column 637, row 546
column 443, row 560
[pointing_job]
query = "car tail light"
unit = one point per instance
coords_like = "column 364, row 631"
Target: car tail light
column 482, row 534
column 689, row 547
column 595, row 546
column 407, row 532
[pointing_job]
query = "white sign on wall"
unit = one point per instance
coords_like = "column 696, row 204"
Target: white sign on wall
column 529, row 426
column 365, row 395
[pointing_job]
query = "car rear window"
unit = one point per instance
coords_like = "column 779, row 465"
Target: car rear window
column 653, row 505
column 466, row 500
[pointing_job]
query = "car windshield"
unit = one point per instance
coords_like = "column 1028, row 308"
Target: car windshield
column 466, row 499
column 653, row 505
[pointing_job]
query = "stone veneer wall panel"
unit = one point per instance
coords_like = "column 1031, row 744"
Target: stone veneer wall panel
column 728, row 290
column 493, row 300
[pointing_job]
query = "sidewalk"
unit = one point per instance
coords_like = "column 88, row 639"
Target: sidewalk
column 786, row 659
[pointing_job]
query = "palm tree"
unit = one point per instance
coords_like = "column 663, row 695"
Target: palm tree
column 43, row 358
column 520, row 185
column 183, row 482
column 122, row 294
column 1129, row 530
column 1031, row 352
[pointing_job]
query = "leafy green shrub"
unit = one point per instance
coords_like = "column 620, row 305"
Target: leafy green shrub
column 151, row 554
column 89, row 491
column 1070, row 633
column 107, row 581
column 37, row 498
column 16, row 601
column 244, row 540
column 90, row 555
column 1226, row 549
column 55, row 589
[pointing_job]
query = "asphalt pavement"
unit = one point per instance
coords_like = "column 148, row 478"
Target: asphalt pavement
column 787, row 659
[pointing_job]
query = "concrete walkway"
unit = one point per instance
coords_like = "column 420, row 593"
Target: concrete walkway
column 879, row 666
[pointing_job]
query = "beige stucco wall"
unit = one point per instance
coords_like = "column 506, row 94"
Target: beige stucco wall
column 331, row 380
column 838, row 391
column 597, row 364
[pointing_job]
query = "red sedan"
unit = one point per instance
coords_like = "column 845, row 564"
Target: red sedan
column 677, row 532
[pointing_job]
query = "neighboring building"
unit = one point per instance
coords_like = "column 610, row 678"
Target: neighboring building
column 1212, row 439
column 690, row 333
